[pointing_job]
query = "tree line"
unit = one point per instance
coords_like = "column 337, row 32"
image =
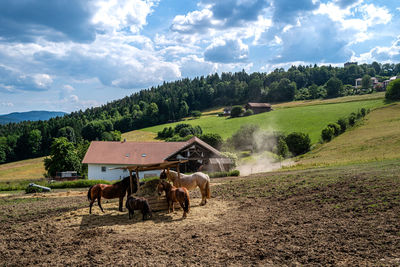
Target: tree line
column 172, row 101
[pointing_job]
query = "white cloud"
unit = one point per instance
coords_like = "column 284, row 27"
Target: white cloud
column 42, row 80
column 117, row 15
column 381, row 53
column 356, row 18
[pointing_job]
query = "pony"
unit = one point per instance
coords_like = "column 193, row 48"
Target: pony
column 199, row 179
column 174, row 194
column 117, row 190
column 133, row 203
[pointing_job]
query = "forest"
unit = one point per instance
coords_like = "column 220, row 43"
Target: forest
column 173, row 101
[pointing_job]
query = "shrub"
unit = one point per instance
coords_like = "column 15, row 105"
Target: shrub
column 213, row 139
column 165, row 133
column 343, row 124
column 352, row 119
column 179, row 126
column 282, row 148
column 336, row 128
column 363, row 112
column 298, row 143
column 327, row 133
column 236, row 111
column 393, row 90
column 248, row 112
column 220, row 114
column 185, row 132
column 196, row 113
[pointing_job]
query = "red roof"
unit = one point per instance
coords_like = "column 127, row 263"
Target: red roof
column 127, row 153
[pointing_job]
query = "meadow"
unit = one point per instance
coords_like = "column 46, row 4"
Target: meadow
column 376, row 138
column 303, row 116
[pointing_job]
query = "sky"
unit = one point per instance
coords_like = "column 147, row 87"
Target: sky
column 66, row 55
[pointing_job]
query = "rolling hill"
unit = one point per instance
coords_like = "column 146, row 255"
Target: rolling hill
column 302, row 116
column 29, row 116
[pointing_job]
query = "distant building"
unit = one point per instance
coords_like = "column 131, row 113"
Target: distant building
column 350, row 63
column 258, row 107
column 374, row 81
column 386, row 82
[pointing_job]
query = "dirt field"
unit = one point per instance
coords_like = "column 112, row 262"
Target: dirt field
column 339, row 216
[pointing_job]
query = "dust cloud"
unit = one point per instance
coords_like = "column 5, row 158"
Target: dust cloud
column 263, row 156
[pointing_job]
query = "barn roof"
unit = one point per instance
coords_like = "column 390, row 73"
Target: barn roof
column 259, row 105
column 127, row 153
column 132, row 153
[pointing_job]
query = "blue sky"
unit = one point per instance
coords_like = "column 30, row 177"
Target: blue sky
column 72, row 54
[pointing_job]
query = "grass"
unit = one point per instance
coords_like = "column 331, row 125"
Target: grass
column 22, row 184
column 309, row 118
column 22, row 170
column 140, row 136
column 377, row 138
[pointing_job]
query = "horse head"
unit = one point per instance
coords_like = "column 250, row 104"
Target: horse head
column 163, row 175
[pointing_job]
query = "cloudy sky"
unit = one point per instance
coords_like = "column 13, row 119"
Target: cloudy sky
column 67, row 55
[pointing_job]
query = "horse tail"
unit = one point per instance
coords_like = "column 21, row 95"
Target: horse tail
column 187, row 201
column 208, row 191
column 88, row 193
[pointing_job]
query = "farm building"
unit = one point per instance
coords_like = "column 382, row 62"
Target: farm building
column 258, row 107
column 103, row 157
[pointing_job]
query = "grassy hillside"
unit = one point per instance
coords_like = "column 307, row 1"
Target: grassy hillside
column 303, row 116
column 140, row 136
column 22, row 170
column 377, row 138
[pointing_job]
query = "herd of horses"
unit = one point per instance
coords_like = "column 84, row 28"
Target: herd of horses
column 175, row 192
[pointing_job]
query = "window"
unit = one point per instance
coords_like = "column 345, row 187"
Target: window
column 103, row 169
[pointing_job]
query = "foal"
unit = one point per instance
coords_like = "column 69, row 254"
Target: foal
column 174, row 194
column 141, row 204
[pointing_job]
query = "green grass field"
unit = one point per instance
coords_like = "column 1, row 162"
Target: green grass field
column 377, row 138
column 308, row 117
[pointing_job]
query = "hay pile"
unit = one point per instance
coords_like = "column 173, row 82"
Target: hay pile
column 148, row 189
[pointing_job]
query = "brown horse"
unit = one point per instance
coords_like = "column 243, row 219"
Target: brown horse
column 140, row 203
column 190, row 182
column 174, row 194
column 117, row 190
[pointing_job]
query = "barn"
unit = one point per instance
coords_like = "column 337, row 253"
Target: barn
column 104, row 158
column 258, row 107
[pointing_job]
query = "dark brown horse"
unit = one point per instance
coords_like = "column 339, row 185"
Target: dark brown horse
column 174, row 194
column 139, row 203
column 117, row 190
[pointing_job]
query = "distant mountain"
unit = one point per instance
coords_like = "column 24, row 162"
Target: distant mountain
column 29, row 116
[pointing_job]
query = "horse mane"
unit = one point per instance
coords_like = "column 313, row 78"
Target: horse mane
column 126, row 181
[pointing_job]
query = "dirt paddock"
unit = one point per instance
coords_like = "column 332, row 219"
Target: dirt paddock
column 239, row 226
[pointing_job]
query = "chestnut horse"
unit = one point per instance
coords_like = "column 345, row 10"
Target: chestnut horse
column 174, row 194
column 119, row 189
column 138, row 203
column 197, row 179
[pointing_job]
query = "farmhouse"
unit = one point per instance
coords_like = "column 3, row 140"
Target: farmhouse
column 258, row 107
column 374, row 82
column 103, row 157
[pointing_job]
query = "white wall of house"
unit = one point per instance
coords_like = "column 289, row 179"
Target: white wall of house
column 103, row 172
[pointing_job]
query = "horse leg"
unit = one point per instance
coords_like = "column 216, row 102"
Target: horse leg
column 99, row 202
column 90, row 206
column 203, row 196
column 121, row 199
column 131, row 213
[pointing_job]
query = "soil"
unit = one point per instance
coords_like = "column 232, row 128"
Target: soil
column 328, row 224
